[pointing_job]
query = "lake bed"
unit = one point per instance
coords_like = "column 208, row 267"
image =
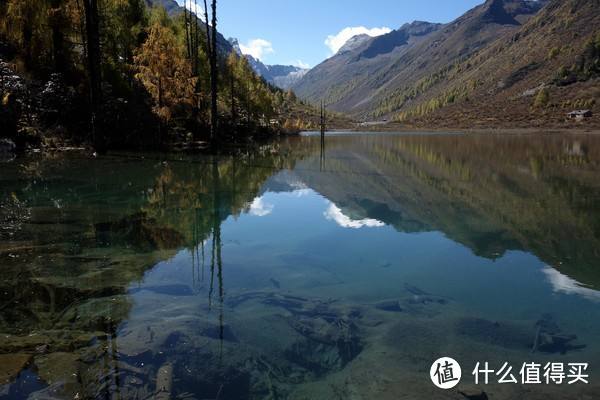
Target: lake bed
column 300, row 270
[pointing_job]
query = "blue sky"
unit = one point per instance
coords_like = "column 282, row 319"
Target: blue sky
column 295, row 32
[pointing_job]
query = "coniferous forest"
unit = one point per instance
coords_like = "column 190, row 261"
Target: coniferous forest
column 120, row 74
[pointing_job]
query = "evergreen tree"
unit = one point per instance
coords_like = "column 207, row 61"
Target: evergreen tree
column 164, row 71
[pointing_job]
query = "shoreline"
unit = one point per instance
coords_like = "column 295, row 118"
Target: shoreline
column 383, row 129
column 518, row 131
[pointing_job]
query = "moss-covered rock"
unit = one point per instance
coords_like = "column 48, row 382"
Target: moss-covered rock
column 58, row 367
column 11, row 365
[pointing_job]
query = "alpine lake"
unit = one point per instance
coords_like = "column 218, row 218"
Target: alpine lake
column 302, row 270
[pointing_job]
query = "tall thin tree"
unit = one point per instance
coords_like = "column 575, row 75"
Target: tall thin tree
column 94, row 59
column 211, row 50
column 208, row 47
column 195, row 60
column 187, row 22
column 196, row 41
column 232, row 93
column 57, row 24
column 214, row 118
column 207, row 32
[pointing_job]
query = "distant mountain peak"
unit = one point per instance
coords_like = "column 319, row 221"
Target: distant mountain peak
column 495, row 12
column 507, row 12
column 354, row 42
column 387, row 43
column 282, row 76
column 417, row 24
column 235, row 43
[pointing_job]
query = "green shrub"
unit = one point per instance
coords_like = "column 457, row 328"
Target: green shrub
column 554, row 52
column 542, row 99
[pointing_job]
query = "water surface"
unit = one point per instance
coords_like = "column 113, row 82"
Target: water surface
column 295, row 271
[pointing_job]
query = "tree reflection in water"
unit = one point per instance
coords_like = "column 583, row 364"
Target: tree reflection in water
column 79, row 238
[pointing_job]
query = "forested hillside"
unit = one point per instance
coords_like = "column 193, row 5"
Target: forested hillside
column 127, row 73
column 512, row 63
column 532, row 78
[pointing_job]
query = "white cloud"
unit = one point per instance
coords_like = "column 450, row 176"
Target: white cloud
column 302, row 192
column 259, row 208
column 335, row 42
column 334, row 213
column 301, row 64
column 194, row 7
column 563, row 284
column 297, row 193
column 257, row 48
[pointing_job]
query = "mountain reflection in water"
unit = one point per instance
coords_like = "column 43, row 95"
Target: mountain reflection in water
column 292, row 271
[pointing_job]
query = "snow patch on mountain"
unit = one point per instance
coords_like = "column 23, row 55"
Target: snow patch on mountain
column 282, row 76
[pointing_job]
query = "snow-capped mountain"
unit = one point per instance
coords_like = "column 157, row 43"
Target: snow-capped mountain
column 282, row 76
column 353, row 43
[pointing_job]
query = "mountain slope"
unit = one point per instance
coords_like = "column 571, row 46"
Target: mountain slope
column 286, row 76
column 174, row 9
column 360, row 82
column 354, row 42
column 533, row 77
column 342, row 81
column 282, row 76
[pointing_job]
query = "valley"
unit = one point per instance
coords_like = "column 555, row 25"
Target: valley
column 503, row 64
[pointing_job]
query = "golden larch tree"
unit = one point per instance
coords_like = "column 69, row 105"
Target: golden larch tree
column 164, row 71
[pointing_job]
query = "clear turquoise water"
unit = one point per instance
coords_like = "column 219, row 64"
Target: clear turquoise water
column 270, row 273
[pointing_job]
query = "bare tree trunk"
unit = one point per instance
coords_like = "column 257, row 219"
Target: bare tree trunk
column 27, row 39
column 186, row 26
column 214, row 118
column 208, row 47
column 192, row 37
column 193, row 50
column 58, row 39
column 232, row 88
column 187, row 20
column 94, row 60
column 160, row 105
column 248, row 107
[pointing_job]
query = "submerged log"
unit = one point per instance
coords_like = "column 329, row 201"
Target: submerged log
column 549, row 338
column 503, row 334
column 415, row 290
column 422, row 297
column 389, row 305
column 164, row 382
column 472, row 393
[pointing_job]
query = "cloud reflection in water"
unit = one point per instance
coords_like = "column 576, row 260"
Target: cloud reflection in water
column 563, row 284
column 334, row 213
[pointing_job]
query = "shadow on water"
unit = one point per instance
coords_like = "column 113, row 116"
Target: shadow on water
column 92, row 303
column 77, row 238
